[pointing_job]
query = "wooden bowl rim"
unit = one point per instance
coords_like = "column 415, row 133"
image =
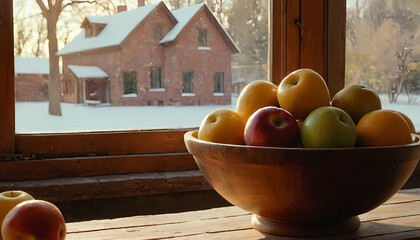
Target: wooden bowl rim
column 189, row 136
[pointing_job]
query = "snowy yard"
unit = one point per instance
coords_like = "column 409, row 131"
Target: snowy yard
column 33, row 116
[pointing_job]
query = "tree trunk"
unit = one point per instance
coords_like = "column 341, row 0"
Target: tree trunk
column 54, row 88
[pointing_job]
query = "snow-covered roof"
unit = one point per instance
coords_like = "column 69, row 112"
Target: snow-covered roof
column 88, row 71
column 32, row 65
column 183, row 16
column 118, row 27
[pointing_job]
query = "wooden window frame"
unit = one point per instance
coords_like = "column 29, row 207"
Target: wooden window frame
column 52, row 155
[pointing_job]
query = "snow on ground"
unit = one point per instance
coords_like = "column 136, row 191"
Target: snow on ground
column 33, row 116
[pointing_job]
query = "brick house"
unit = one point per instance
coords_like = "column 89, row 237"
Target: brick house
column 31, row 79
column 150, row 56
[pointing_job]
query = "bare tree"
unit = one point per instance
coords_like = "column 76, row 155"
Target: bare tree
column 22, row 37
column 38, row 47
column 51, row 12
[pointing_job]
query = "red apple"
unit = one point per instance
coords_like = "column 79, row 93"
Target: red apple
column 9, row 200
column 272, row 127
column 34, row 219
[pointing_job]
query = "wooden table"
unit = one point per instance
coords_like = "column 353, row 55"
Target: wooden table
column 398, row 218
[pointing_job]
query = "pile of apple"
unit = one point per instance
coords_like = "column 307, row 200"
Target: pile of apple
column 299, row 112
column 23, row 217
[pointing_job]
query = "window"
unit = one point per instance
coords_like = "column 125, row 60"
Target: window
column 202, row 37
column 156, row 77
column 89, row 32
column 219, row 82
column 153, row 150
column 159, row 31
column 130, row 82
column 187, row 82
column 381, row 42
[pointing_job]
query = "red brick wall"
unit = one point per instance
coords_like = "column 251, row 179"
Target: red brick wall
column 31, row 87
column 104, row 58
column 140, row 51
column 184, row 55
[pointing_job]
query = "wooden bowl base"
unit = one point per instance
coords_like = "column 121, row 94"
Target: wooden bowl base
column 294, row 229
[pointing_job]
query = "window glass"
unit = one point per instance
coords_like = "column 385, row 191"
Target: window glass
column 159, row 30
column 156, row 77
column 130, row 83
column 383, row 52
column 202, row 37
column 219, row 82
column 133, row 64
column 188, row 84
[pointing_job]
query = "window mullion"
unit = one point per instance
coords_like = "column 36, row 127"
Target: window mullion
column 7, row 93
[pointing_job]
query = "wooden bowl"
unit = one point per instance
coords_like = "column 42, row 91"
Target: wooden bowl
column 303, row 191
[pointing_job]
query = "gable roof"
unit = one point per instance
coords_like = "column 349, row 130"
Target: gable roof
column 184, row 16
column 118, row 27
column 88, row 71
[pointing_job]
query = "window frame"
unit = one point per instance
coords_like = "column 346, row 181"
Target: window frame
column 34, row 156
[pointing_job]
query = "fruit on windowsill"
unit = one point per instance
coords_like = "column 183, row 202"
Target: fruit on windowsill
column 34, row 219
column 10, row 199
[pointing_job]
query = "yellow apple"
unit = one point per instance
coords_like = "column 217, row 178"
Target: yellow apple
column 9, row 200
column 302, row 91
column 357, row 100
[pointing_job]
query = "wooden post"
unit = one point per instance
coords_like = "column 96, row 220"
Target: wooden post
column 7, row 92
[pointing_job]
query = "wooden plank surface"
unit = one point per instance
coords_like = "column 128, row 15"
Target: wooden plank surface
column 398, row 218
column 110, row 186
column 102, row 143
column 26, row 170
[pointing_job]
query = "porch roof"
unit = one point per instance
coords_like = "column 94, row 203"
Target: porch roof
column 88, row 71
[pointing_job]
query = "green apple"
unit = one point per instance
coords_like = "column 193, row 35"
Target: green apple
column 9, row 200
column 328, row 127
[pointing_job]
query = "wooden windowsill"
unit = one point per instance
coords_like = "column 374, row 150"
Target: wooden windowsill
column 111, row 186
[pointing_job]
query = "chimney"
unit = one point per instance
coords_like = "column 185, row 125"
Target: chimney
column 121, row 8
column 140, row 3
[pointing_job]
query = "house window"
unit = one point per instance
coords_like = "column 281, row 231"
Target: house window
column 88, row 32
column 187, row 82
column 159, row 31
column 156, row 77
column 202, row 37
column 219, row 80
column 130, row 82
